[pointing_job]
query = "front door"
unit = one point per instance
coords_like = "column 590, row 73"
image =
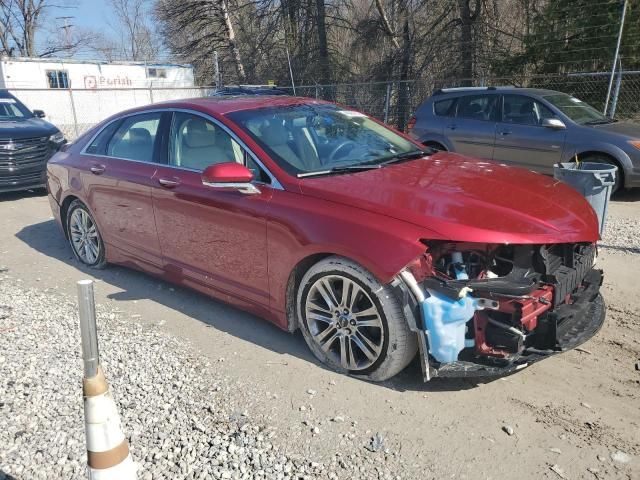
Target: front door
column 120, row 164
column 522, row 140
column 214, row 238
column 472, row 131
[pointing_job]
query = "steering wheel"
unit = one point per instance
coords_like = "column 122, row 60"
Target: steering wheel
column 339, row 147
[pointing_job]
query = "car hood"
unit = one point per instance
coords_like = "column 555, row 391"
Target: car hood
column 621, row 128
column 461, row 199
column 26, row 128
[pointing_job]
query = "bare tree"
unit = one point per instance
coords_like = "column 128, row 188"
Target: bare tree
column 195, row 29
column 137, row 40
column 20, row 22
column 467, row 18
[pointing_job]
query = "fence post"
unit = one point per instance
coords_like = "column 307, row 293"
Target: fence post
column 108, row 455
column 387, row 99
column 151, row 91
column 73, row 110
column 615, row 57
column 616, row 92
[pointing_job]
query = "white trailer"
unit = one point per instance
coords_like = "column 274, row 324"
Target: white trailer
column 77, row 94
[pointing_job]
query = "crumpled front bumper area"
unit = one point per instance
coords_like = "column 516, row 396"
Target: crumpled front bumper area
column 487, row 324
column 570, row 324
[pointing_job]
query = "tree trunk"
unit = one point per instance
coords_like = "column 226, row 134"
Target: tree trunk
column 323, row 50
column 403, row 87
column 467, row 47
column 233, row 46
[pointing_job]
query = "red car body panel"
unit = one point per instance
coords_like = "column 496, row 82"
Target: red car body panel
column 467, row 200
column 244, row 248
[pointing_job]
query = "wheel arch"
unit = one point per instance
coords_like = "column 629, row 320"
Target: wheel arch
column 613, row 158
column 64, row 208
column 293, row 283
column 616, row 154
column 310, row 259
column 436, row 145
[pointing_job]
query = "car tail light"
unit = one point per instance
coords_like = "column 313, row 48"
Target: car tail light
column 410, row 124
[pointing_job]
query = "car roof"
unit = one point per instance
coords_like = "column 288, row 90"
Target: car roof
column 249, row 90
column 223, row 105
column 449, row 92
column 4, row 93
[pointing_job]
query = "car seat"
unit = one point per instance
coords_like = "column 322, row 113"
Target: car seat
column 202, row 146
column 474, row 111
column 276, row 136
column 139, row 145
column 527, row 114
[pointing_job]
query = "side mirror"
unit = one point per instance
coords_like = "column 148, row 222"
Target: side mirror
column 229, row 176
column 39, row 113
column 554, row 123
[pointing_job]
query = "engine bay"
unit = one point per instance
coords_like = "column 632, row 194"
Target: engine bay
column 491, row 308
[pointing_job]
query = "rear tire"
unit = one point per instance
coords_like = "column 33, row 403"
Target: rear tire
column 84, row 237
column 351, row 322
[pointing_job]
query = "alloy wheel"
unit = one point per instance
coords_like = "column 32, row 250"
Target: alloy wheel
column 344, row 322
column 84, row 236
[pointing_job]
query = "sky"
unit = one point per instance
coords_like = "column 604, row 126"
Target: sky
column 92, row 15
column 87, row 13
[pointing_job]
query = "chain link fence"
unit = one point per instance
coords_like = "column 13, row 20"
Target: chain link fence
column 395, row 101
column 75, row 110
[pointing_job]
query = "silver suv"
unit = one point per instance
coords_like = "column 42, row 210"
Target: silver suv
column 532, row 128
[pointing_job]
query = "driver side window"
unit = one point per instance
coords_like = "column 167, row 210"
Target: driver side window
column 196, row 143
column 524, row 110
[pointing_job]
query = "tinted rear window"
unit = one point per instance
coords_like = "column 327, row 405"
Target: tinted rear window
column 445, row 108
column 478, row 107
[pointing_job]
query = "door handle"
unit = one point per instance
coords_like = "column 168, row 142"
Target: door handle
column 451, row 126
column 168, row 182
column 97, row 169
column 505, row 132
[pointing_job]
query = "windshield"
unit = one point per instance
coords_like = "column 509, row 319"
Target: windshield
column 11, row 109
column 575, row 109
column 314, row 138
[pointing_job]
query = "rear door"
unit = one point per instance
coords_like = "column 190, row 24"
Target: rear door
column 522, row 140
column 120, row 164
column 472, row 131
column 214, row 238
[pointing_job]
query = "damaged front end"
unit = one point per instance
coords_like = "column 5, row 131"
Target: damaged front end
column 481, row 309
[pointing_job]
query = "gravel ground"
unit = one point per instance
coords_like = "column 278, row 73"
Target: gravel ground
column 621, row 235
column 180, row 363
column 183, row 420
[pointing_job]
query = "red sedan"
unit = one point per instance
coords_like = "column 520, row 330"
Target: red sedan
column 321, row 218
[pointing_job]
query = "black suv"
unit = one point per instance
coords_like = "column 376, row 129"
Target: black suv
column 26, row 143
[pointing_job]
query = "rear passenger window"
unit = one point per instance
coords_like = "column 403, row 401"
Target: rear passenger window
column 135, row 138
column 478, row 107
column 99, row 144
column 444, row 108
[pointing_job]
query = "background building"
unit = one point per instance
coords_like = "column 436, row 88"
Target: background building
column 76, row 94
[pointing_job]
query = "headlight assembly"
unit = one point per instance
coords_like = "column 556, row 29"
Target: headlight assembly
column 57, row 138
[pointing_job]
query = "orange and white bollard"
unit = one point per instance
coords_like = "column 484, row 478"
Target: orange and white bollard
column 108, row 454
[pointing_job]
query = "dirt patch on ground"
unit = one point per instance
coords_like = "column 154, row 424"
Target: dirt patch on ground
column 571, row 414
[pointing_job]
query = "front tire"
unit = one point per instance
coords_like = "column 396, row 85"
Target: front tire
column 351, row 322
column 84, row 236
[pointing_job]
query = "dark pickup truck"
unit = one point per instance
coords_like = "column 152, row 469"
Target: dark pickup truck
column 26, row 143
